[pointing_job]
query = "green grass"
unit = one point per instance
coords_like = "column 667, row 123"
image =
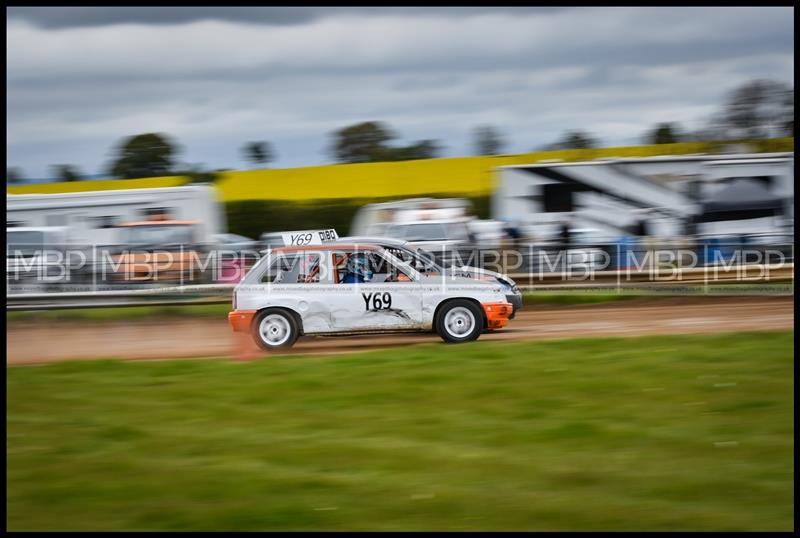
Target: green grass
column 656, row 433
column 577, row 297
column 563, row 297
column 538, row 297
column 221, row 310
column 593, row 296
column 122, row 313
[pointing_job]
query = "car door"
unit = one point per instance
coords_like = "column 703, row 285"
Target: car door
column 377, row 304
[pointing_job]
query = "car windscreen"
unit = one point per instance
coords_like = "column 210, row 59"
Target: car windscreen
column 457, row 231
column 377, row 229
column 428, row 260
column 24, row 238
column 163, row 234
column 421, row 260
column 235, row 238
column 271, row 241
column 19, row 243
column 418, row 232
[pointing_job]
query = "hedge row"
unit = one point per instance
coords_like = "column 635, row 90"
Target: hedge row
column 251, row 218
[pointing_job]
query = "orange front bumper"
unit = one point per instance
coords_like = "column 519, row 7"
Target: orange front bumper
column 240, row 320
column 497, row 314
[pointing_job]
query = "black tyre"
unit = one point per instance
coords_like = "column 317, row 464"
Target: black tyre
column 275, row 328
column 459, row 321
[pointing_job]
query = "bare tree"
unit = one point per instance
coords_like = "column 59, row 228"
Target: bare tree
column 575, row 140
column 664, row 133
column 760, row 109
column 369, row 142
column 66, row 172
column 488, row 141
column 144, row 155
column 14, row 175
column 259, row 153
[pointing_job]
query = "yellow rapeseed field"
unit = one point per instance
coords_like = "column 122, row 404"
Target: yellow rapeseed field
column 472, row 176
column 97, row 185
column 460, row 175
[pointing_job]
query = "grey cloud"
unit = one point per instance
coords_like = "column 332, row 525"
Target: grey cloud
column 579, row 40
column 70, row 17
column 72, row 93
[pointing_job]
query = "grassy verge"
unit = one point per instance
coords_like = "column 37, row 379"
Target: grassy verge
column 251, row 218
column 221, row 310
column 592, row 296
column 122, row 313
column 563, row 297
column 656, row 433
column 578, row 297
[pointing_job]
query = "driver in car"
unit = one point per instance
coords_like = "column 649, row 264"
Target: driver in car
column 357, row 270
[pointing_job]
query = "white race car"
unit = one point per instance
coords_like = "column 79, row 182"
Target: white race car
column 335, row 288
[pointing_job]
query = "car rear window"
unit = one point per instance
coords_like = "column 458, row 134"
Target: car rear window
column 293, row 268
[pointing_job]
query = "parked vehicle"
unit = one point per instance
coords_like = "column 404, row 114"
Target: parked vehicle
column 162, row 251
column 105, row 224
column 93, row 216
column 36, row 257
column 234, row 242
column 488, row 233
column 371, row 219
column 234, row 255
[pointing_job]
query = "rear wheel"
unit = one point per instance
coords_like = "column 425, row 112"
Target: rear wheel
column 275, row 329
column 459, row 321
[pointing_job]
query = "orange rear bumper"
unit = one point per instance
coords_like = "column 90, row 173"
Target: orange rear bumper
column 240, row 320
column 497, row 314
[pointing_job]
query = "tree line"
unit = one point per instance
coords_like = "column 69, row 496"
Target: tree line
column 758, row 109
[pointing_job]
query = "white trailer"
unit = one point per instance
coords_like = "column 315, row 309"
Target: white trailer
column 92, row 217
column 672, row 194
column 372, row 219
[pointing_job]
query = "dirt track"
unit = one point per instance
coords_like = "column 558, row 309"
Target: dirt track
column 41, row 342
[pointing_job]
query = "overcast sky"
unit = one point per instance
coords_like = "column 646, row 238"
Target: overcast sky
column 80, row 79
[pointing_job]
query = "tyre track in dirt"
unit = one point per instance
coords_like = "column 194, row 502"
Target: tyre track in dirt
column 41, row 341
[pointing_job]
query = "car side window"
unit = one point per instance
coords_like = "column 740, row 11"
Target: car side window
column 339, row 261
column 350, row 267
column 400, row 254
column 393, row 272
column 293, row 268
column 416, row 261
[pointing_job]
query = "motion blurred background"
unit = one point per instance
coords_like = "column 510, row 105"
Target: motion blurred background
column 628, row 167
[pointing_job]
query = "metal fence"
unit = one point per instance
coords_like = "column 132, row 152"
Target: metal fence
column 47, row 277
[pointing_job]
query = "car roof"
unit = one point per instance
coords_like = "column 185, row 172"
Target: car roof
column 373, row 240
column 328, row 246
column 156, row 223
column 37, row 229
column 236, row 236
column 430, row 221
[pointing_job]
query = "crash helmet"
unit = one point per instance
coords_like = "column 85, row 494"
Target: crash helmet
column 358, row 264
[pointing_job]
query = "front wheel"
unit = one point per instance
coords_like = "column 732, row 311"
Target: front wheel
column 459, row 321
column 275, row 329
